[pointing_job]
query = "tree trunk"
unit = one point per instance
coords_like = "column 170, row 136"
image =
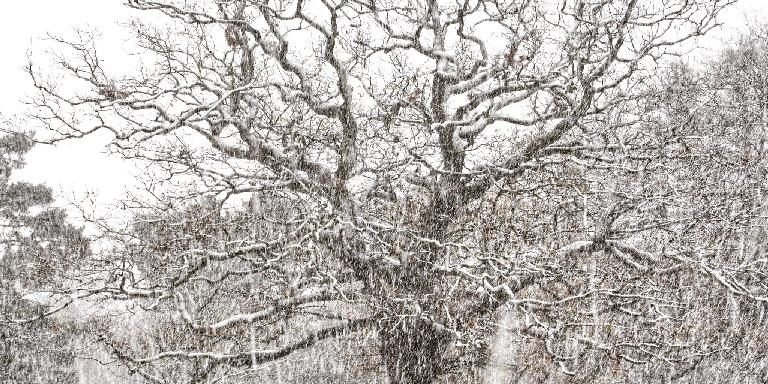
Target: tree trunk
column 412, row 350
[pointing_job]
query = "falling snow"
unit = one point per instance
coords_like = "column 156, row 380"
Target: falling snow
column 386, row 191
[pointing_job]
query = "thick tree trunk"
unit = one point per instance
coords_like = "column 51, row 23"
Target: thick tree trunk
column 412, row 348
column 412, row 351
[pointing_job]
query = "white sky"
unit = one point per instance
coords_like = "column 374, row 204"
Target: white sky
column 76, row 167
column 80, row 168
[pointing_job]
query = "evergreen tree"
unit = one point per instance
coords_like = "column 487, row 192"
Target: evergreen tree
column 37, row 247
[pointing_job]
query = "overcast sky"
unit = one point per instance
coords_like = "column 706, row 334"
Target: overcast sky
column 80, row 167
column 76, row 167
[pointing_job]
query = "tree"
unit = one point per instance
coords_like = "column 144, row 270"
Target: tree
column 35, row 250
column 435, row 161
column 240, row 285
column 719, row 115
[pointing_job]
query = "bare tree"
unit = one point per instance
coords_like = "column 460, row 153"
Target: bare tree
column 435, row 161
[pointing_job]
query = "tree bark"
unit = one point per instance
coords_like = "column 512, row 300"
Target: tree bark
column 412, row 351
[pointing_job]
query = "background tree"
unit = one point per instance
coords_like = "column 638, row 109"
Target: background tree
column 37, row 245
column 438, row 160
column 682, row 264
